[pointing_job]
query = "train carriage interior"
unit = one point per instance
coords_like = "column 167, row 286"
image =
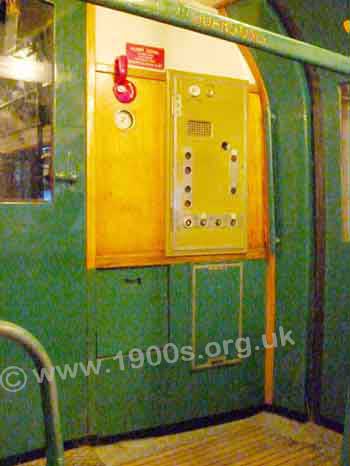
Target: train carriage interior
column 174, row 232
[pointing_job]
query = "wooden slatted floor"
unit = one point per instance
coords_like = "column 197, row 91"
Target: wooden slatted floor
column 246, row 448
column 263, row 440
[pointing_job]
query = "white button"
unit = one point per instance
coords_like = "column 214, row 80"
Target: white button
column 195, row 91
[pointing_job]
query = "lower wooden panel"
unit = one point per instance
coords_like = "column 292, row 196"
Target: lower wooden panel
column 129, row 171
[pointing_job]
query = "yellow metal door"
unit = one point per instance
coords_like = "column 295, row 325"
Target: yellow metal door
column 207, row 175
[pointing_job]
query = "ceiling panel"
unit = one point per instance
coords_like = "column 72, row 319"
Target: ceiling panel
column 209, row 3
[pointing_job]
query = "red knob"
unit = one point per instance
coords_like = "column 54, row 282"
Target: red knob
column 124, row 90
column 121, row 69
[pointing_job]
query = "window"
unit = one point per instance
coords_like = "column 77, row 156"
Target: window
column 26, row 100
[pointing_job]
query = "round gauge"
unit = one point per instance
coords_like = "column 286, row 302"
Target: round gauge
column 124, row 120
column 195, row 91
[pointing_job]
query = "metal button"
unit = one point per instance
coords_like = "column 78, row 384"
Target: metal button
column 226, row 145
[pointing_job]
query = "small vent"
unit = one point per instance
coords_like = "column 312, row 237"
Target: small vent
column 199, row 128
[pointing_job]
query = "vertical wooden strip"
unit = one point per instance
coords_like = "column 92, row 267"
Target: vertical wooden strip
column 314, row 384
column 345, row 158
column 270, row 328
column 256, row 174
column 90, row 160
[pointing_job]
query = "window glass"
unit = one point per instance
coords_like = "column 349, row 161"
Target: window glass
column 345, row 158
column 26, row 100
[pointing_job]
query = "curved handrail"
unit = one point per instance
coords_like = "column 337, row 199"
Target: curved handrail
column 48, row 388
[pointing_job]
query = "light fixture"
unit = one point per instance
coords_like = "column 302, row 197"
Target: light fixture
column 25, row 69
column 346, row 25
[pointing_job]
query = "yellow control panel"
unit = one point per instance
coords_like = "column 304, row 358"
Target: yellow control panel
column 207, row 164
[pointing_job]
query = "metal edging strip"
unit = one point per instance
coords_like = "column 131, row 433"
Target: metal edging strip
column 272, row 206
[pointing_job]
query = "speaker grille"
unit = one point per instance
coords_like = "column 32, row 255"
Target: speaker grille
column 199, row 128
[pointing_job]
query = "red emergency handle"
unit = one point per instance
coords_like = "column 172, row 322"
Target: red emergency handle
column 124, row 90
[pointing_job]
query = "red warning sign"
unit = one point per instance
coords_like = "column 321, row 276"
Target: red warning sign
column 145, row 56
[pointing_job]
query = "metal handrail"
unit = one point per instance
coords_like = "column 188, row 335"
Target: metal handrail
column 48, row 388
column 194, row 18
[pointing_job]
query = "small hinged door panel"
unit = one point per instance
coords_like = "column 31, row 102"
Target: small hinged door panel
column 132, row 309
column 217, row 294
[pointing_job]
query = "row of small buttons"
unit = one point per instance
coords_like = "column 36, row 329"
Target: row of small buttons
column 210, row 221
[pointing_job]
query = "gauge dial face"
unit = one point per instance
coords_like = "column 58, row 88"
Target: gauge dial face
column 124, row 120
